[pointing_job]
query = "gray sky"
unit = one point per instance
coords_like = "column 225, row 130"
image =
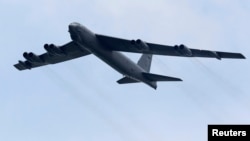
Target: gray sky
column 80, row 100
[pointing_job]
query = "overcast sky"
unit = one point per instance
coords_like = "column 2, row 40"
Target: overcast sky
column 79, row 100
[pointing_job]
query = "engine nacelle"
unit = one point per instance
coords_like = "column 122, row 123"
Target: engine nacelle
column 53, row 50
column 31, row 57
column 183, row 50
column 140, row 45
column 132, row 42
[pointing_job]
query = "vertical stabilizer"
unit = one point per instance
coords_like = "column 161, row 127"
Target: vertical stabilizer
column 145, row 62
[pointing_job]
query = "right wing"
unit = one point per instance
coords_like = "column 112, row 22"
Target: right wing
column 53, row 55
column 139, row 46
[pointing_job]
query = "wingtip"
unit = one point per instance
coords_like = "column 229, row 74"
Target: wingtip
column 17, row 67
column 177, row 79
column 243, row 57
column 22, row 65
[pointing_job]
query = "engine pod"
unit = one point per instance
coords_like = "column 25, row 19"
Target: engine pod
column 183, row 50
column 140, row 45
column 33, row 58
column 53, row 50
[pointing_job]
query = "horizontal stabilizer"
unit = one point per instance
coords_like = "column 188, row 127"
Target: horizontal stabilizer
column 156, row 77
column 126, row 80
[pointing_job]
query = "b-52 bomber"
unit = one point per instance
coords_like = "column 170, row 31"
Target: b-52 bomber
column 85, row 42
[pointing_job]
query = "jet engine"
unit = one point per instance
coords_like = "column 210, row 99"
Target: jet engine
column 31, row 57
column 140, row 45
column 53, row 50
column 133, row 42
column 183, row 50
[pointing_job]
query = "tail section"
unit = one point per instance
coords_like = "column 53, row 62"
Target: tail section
column 156, row 77
column 146, row 77
column 145, row 61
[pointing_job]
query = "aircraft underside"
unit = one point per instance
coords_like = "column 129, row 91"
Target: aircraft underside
column 85, row 42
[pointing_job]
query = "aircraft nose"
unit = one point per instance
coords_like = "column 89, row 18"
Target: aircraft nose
column 73, row 25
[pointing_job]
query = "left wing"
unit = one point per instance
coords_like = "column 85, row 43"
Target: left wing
column 139, row 46
column 53, row 55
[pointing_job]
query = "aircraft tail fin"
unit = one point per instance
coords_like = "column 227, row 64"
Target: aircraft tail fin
column 156, row 77
column 145, row 62
column 126, row 80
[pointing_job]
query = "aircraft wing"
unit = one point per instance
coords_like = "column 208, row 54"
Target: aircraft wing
column 139, row 46
column 54, row 54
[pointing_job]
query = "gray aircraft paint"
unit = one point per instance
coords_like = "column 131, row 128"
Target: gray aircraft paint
column 87, row 40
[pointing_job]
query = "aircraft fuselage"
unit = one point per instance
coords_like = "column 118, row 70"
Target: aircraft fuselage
column 88, row 41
